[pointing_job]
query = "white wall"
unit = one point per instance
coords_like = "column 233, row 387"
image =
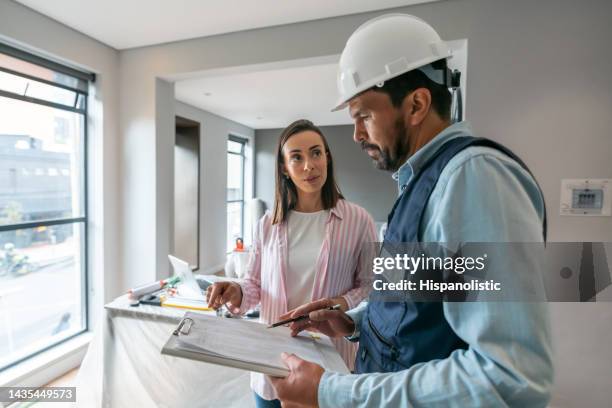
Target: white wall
column 33, row 32
column 213, row 181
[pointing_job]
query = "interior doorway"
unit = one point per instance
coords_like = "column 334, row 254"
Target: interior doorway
column 187, row 191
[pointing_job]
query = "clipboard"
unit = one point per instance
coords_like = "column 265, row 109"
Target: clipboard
column 247, row 345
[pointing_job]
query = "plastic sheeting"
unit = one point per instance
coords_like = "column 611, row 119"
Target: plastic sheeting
column 124, row 366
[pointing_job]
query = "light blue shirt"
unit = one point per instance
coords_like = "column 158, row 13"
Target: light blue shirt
column 481, row 196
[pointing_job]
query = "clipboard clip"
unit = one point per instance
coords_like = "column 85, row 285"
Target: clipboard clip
column 184, row 326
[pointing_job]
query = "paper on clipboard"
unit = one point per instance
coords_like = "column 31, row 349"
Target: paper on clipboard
column 249, row 345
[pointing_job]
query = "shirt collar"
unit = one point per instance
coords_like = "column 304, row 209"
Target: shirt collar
column 414, row 163
column 337, row 210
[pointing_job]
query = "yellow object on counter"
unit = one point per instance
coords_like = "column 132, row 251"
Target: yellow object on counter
column 186, row 303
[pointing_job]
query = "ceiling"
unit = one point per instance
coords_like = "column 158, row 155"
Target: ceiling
column 126, row 24
column 268, row 99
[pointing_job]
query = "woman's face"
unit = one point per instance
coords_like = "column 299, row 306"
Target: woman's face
column 305, row 161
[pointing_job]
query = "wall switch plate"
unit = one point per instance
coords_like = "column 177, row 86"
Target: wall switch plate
column 590, row 197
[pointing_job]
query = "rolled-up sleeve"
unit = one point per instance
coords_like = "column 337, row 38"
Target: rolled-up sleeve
column 251, row 284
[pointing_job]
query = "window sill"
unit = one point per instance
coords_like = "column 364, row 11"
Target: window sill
column 47, row 366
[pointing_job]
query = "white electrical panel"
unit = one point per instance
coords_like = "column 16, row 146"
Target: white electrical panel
column 591, row 197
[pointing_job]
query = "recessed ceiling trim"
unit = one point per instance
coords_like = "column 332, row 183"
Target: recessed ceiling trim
column 253, row 68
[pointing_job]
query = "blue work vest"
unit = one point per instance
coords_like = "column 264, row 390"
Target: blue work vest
column 396, row 335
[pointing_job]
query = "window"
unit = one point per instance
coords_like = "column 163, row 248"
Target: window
column 43, row 211
column 235, row 190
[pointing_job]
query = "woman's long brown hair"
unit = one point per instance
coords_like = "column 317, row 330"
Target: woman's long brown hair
column 285, row 197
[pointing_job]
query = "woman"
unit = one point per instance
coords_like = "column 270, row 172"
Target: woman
column 313, row 246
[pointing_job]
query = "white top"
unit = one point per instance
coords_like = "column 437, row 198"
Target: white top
column 305, row 235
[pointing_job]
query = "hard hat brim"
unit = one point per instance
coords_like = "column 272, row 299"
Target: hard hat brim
column 340, row 105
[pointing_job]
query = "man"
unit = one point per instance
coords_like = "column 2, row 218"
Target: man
column 453, row 188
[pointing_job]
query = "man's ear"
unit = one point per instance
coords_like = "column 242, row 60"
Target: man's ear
column 417, row 106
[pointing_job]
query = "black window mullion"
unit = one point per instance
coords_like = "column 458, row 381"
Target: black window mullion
column 41, row 223
column 40, row 101
column 54, row 66
column 80, row 222
column 42, row 80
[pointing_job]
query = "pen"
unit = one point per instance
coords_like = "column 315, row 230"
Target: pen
column 302, row 317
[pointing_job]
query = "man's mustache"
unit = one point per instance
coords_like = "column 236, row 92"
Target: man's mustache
column 365, row 146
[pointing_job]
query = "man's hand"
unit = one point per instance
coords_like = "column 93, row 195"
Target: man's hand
column 332, row 323
column 224, row 292
column 301, row 387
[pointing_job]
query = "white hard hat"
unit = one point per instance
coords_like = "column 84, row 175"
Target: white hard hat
column 383, row 48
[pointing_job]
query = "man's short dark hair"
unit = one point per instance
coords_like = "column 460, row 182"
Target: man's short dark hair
column 399, row 87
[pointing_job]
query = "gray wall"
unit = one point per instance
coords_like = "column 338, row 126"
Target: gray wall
column 359, row 181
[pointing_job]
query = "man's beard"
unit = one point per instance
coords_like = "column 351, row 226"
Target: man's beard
column 391, row 160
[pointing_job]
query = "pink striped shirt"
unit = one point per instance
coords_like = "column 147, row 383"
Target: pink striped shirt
column 341, row 270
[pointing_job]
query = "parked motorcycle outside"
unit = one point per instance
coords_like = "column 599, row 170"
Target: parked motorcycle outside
column 13, row 263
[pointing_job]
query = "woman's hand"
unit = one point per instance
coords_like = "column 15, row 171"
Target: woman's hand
column 332, row 323
column 221, row 293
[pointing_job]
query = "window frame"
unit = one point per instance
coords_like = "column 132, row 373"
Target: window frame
column 243, row 142
column 82, row 221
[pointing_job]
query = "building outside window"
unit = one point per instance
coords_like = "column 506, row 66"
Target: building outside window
column 236, row 147
column 43, row 210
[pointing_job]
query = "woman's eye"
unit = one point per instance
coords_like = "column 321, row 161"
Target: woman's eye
column 316, row 153
column 295, row 158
